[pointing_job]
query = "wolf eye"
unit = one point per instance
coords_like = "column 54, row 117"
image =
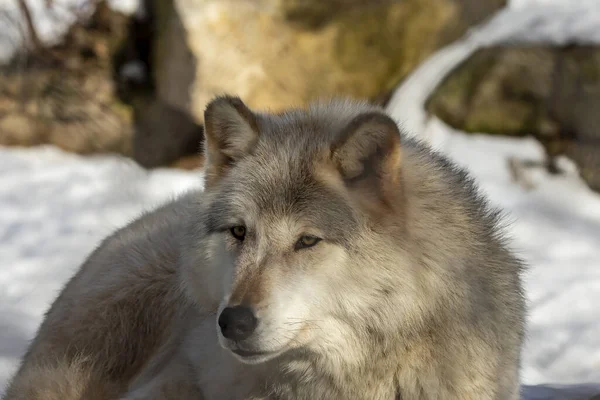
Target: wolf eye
column 307, row 241
column 238, row 232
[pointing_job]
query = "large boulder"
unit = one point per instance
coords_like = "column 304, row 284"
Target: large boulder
column 551, row 93
column 281, row 53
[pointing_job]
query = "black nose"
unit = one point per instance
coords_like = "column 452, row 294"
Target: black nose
column 237, row 323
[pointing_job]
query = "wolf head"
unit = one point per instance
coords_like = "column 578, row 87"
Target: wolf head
column 302, row 224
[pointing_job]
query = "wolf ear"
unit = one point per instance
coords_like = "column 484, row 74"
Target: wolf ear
column 231, row 131
column 368, row 151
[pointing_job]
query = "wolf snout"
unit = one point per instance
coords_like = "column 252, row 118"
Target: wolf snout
column 237, row 323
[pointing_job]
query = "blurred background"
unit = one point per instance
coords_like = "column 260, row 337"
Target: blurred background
column 101, row 114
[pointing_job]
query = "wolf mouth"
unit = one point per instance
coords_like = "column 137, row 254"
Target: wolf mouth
column 250, row 354
column 255, row 357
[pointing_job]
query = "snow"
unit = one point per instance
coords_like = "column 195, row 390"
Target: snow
column 55, row 207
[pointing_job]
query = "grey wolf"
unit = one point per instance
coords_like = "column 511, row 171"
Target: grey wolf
column 330, row 256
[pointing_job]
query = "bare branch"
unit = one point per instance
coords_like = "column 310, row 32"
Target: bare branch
column 34, row 39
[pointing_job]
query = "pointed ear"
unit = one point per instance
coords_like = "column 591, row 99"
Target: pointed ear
column 368, row 153
column 231, row 131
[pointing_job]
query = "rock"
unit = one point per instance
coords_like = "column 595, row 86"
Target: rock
column 173, row 63
column 156, row 72
column 195, row 162
column 66, row 96
column 75, row 112
column 561, row 392
column 164, row 135
column 18, row 130
column 549, row 92
column 280, row 53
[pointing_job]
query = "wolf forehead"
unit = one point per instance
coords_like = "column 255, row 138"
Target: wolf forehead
column 248, row 198
column 300, row 134
column 281, row 176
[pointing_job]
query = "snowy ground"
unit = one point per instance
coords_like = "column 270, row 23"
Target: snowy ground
column 54, row 209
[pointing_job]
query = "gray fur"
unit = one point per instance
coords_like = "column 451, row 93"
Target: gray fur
column 411, row 294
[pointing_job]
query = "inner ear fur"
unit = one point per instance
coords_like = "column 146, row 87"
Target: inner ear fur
column 369, row 149
column 231, row 131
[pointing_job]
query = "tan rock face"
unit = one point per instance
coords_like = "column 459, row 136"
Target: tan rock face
column 280, row 53
column 550, row 93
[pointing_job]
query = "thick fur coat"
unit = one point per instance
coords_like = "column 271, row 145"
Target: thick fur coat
column 330, row 256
